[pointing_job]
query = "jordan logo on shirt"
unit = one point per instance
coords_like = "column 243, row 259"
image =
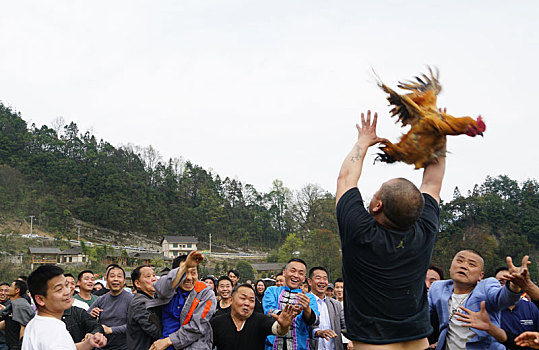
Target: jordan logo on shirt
column 401, row 244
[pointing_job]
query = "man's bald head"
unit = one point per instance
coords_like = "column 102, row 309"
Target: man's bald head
column 402, row 202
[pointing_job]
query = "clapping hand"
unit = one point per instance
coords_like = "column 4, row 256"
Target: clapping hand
column 286, row 317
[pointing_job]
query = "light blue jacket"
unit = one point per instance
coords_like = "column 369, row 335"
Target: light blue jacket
column 497, row 298
column 300, row 330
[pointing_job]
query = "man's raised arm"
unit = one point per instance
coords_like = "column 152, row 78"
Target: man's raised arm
column 353, row 164
column 433, row 176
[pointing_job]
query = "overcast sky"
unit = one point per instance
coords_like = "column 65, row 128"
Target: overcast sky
column 264, row 90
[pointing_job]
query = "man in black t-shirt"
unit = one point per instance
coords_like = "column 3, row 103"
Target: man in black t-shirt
column 387, row 250
column 243, row 329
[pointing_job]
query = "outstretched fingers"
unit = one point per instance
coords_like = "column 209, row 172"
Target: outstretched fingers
column 509, row 262
column 528, row 338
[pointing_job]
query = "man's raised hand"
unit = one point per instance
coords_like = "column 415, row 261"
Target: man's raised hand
column 286, row 317
column 519, row 276
column 366, row 133
column 193, row 259
column 304, row 301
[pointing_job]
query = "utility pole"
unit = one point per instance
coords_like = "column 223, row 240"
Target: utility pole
column 210, row 243
column 31, row 223
column 78, row 232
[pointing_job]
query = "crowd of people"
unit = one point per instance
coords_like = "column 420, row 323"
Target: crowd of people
column 299, row 309
column 54, row 310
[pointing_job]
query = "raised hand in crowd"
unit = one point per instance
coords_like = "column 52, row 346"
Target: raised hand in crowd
column 286, row 317
column 481, row 320
column 521, row 277
column 529, row 339
column 193, row 259
column 304, row 302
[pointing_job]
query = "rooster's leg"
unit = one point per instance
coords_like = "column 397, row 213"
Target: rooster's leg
column 389, row 153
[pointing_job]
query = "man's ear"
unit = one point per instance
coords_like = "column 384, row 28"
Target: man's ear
column 378, row 207
column 481, row 275
column 40, row 300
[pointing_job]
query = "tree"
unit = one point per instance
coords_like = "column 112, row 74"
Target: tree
column 291, row 248
column 279, row 199
column 323, row 248
column 246, row 270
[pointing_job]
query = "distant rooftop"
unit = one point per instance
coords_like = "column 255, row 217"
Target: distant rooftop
column 43, row 250
column 268, row 266
column 144, row 256
column 180, row 239
column 72, row 251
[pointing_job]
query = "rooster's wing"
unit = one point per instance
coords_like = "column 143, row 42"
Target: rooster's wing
column 419, row 103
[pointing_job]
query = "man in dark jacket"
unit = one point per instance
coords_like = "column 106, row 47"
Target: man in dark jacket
column 143, row 327
column 77, row 320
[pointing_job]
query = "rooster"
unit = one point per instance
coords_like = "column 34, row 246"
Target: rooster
column 429, row 125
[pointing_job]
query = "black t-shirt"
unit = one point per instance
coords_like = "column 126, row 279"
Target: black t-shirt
column 384, row 270
column 251, row 337
column 258, row 306
column 221, row 311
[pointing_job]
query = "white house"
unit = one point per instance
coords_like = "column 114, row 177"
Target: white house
column 173, row 246
column 73, row 255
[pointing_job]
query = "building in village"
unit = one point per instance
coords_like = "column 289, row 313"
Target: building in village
column 267, row 269
column 73, row 255
column 43, row 255
column 173, row 246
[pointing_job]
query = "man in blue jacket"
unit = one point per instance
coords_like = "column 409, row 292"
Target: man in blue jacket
column 466, row 289
column 276, row 298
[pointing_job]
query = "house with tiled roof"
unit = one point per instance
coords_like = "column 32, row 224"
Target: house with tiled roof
column 73, row 255
column 43, row 255
column 173, row 246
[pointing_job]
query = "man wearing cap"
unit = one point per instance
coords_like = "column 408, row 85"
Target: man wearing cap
column 330, row 291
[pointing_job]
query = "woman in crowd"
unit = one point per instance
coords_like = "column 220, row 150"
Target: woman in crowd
column 260, row 288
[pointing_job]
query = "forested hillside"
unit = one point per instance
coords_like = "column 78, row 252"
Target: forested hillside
column 498, row 218
column 58, row 173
